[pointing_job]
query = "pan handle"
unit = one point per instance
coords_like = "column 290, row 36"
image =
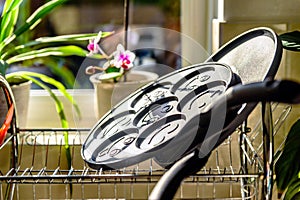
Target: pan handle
column 282, row 91
column 167, row 186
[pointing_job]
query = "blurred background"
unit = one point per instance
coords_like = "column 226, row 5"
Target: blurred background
column 180, row 25
column 165, row 34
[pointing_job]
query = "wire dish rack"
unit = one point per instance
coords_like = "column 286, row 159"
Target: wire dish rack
column 234, row 169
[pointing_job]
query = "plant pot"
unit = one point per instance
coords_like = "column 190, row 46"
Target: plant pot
column 108, row 94
column 21, row 94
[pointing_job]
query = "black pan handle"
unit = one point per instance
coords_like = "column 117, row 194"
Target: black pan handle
column 167, row 186
column 283, row 91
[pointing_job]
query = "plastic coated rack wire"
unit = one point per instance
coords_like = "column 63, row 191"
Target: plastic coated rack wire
column 41, row 162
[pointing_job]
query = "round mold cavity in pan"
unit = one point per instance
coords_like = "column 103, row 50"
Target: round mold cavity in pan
column 112, row 150
column 151, row 94
column 202, row 96
column 113, row 123
column 108, row 126
column 160, row 133
column 196, row 92
column 155, row 111
column 111, row 147
column 200, row 77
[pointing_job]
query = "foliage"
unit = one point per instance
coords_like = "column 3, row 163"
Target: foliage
column 287, row 167
column 291, row 40
column 12, row 52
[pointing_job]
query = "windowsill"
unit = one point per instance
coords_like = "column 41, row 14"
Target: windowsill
column 42, row 112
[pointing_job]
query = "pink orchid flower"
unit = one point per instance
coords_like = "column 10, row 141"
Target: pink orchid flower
column 94, row 46
column 122, row 58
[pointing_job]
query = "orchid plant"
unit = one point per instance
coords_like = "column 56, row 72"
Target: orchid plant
column 117, row 65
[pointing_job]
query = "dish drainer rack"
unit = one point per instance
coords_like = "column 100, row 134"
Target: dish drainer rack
column 234, row 170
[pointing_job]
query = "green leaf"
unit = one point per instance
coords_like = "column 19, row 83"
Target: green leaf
column 58, row 104
column 39, row 14
column 3, row 67
column 72, row 37
column 112, row 69
column 57, row 39
column 109, row 76
column 63, row 51
column 33, row 20
column 25, row 11
column 49, row 80
column 293, row 191
column 9, row 18
column 59, row 68
column 288, row 166
column 10, row 5
column 8, row 23
column 291, row 40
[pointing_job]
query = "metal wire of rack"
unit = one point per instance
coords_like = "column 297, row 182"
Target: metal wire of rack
column 233, row 171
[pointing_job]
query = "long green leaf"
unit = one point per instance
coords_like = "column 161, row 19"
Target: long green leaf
column 287, row 166
column 8, row 22
column 291, row 40
column 49, row 80
column 39, row 14
column 9, row 18
column 10, row 5
column 3, row 67
column 72, row 37
column 33, row 20
column 60, row 110
column 58, row 103
column 25, row 11
column 70, row 50
column 57, row 39
column 293, row 191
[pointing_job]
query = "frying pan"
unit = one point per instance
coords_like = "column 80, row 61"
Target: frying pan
column 155, row 119
column 163, row 119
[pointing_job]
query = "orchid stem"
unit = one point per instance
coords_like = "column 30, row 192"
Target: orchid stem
column 103, row 53
column 126, row 22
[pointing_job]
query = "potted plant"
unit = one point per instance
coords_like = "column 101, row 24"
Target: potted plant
column 287, row 166
column 12, row 52
column 115, row 80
